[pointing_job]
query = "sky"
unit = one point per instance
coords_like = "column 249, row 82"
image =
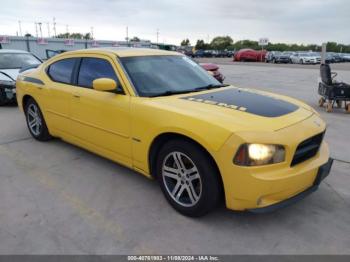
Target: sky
column 290, row 21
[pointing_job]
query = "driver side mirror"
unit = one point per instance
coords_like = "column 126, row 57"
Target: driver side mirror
column 104, row 84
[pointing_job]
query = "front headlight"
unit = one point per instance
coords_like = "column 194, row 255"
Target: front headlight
column 259, row 154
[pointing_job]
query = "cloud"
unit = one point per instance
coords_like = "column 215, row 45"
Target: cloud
column 300, row 21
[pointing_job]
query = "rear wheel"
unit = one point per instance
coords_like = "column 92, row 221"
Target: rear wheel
column 35, row 121
column 188, row 178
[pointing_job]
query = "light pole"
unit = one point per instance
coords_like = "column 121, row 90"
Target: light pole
column 127, row 36
column 41, row 32
column 20, row 28
column 54, row 27
column 36, row 29
column 48, row 29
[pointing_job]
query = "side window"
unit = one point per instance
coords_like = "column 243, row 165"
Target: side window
column 61, row 71
column 93, row 68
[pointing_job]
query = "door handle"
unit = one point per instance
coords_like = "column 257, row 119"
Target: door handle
column 76, row 96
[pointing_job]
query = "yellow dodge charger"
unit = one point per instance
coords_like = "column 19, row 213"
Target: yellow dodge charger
column 161, row 114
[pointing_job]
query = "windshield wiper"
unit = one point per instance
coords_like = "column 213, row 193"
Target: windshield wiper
column 170, row 92
column 210, row 86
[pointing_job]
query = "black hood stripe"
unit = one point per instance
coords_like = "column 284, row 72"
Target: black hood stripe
column 247, row 101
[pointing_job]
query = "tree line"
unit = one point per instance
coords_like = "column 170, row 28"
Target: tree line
column 227, row 43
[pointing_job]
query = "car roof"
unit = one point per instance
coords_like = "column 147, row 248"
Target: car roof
column 13, row 51
column 122, row 51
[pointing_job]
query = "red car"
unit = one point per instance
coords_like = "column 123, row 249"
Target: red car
column 213, row 69
column 250, row 55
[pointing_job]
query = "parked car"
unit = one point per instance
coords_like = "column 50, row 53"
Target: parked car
column 271, row 56
column 208, row 53
column 336, row 58
column 167, row 119
column 250, row 55
column 330, row 58
column 345, row 57
column 11, row 61
column 51, row 53
column 282, row 57
column 304, row 58
column 213, row 70
column 230, row 53
column 199, row 53
column 317, row 56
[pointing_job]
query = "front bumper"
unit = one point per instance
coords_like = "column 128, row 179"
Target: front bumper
column 322, row 173
column 10, row 91
column 249, row 188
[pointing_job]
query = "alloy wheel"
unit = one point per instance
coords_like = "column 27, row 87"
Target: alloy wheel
column 182, row 179
column 34, row 119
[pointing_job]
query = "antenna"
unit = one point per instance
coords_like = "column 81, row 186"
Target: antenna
column 157, row 35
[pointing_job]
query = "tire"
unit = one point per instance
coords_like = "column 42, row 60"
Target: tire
column 194, row 188
column 36, row 122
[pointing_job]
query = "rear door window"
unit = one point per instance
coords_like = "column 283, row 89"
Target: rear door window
column 61, row 71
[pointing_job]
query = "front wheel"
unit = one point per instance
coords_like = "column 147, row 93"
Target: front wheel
column 36, row 122
column 188, row 178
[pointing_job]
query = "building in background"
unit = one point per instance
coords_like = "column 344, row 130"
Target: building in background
column 38, row 46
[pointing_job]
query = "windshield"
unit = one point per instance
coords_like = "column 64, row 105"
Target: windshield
column 14, row 60
column 157, row 75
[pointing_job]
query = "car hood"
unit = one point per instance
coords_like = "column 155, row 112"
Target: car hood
column 238, row 109
column 13, row 73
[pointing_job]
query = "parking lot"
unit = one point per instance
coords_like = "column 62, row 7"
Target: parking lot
column 59, row 199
